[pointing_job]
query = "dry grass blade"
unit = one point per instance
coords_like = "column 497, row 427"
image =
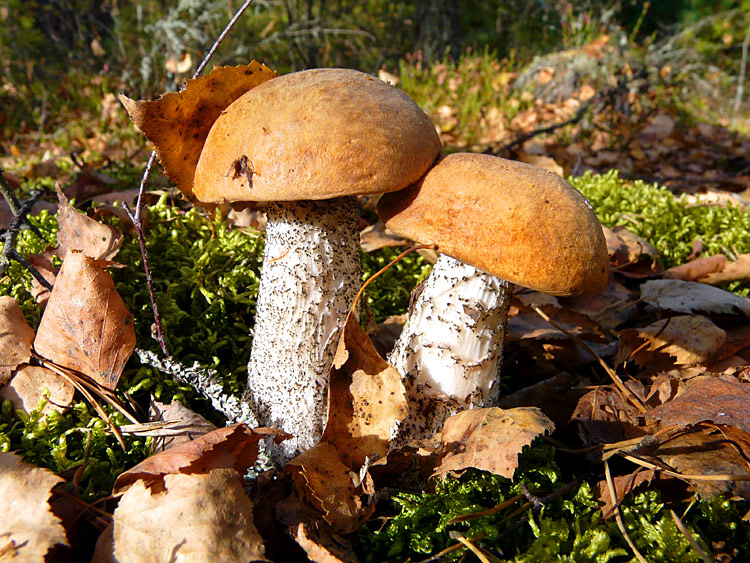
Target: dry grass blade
column 689, row 538
column 717, row 477
column 480, row 553
column 488, row 512
column 386, row 267
column 618, row 516
column 83, row 384
column 635, row 401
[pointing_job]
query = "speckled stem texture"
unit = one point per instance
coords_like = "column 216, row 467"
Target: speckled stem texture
column 451, row 347
column 311, row 274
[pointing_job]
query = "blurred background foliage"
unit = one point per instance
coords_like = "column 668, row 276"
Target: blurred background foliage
column 58, row 55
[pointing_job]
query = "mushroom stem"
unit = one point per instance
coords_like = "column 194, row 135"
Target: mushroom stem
column 311, row 274
column 451, row 347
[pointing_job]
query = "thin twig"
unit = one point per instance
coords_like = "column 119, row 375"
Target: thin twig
column 19, row 223
column 618, row 516
column 136, row 217
column 694, row 544
column 542, row 130
column 741, row 79
column 631, row 397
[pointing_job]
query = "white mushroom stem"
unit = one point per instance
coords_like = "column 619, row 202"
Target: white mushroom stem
column 451, row 347
column 311, row 274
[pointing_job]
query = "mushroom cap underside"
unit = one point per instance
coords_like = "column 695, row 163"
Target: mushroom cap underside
column 316, row 134
column 512, row 220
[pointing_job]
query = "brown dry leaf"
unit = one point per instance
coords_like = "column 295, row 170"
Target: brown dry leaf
column 178, row 122
column 16, row 338
column 28, row 528
column 235, row 447
column 196, row 517
column 31, row 383
column 631, row 255
column 320, row 542
column 605, row 416
column 6, row 216
column 366, row 399
column 688, row 340
column 556, row 397
column 376, row 236
column 623, row 485
column 720, row 400
column 88, row 184
column 191, row 425
column 739, row 270
column 43, row 264
column 330, row 486
column 79, row 232
column 86, row 325
column 691, row 297
column 707, row 453
column 698, row 269
column 489, row 439
column 542, row 161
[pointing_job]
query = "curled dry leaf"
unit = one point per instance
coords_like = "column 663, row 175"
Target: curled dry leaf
column 489, row 439
column 623, row 485
column 713, row 270
column 329, row 485
column 86, row 325
column 686, row 340
column 320, row 542
column 191, row 425
column 697, row 270
column 196, row 517
column 234, row 447
column 28, row 528
column 16, row 338
column 178, row 122
column 605, row 415
column 690, row 297
column 31, row 383
column 79, row 232
column 630, row 254
column 366, row 399
column 376, row 236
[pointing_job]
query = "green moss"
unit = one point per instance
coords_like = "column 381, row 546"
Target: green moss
column 76, row 438
column 669, row 223
column 568, row 528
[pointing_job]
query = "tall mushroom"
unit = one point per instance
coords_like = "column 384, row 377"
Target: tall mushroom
column 496, row 223
column 309, row 142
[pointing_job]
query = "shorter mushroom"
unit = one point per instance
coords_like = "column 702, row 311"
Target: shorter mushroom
column 496, row 223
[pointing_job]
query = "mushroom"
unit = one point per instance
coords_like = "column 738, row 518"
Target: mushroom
column 496, row 223
column 309, row 142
